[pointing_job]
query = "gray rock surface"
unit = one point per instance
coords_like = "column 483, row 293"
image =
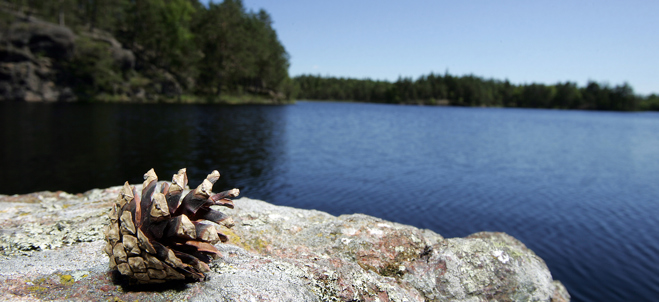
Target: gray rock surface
column 51, row 250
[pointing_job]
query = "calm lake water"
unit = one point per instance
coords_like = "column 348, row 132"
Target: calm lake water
column 579, row 188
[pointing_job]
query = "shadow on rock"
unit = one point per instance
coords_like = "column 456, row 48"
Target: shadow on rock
column 126, row 286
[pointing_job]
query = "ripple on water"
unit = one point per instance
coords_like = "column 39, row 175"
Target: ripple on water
column 578, row 188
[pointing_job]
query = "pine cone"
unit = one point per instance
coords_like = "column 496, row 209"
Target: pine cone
column 159, row 236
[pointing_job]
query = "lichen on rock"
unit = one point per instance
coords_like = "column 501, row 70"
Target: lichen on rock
column 45, row 220
column 278, row 253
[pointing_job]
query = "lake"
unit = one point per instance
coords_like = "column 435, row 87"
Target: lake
column 580, row 188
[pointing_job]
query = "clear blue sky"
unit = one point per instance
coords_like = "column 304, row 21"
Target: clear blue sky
column 523, row 41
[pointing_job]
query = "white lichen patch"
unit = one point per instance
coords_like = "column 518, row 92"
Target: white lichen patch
column 501, row 256
column 79, row 275
column 383, row 225
column 276, row 216
column 349, row 231
column 376, row 232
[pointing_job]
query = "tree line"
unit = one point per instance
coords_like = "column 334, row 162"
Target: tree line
column 470, row 90
column 209, row 50
column 222, row 49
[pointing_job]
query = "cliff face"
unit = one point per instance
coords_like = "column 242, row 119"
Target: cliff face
column 45, row 62
column 28, row 53
column 52, row 244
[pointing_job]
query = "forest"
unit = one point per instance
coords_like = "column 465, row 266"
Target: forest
column 206, row 51
column 471, row 90
column 221, row 52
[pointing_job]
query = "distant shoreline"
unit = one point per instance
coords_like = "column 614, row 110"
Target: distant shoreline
column 473, row 91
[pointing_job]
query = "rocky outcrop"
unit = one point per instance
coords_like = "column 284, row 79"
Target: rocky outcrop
column 52, row 245
column 124, row 58
column 28, row 52
column 45, row 62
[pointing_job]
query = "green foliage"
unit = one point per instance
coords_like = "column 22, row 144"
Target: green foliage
column 342, row 89
column 207, row 51
column 474, row 91
column 92, row 70
column 241, row 51
column 568, row 96
column 158, row 31
column 290, row 89
column 650, row 103
column 87, row 14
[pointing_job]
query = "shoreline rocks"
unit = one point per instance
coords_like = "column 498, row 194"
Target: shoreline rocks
column 51, row 249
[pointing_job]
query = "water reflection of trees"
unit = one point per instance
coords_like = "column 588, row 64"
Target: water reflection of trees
column 77, row 147
column 243, row 142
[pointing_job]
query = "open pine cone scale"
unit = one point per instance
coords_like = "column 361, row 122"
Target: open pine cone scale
column 159, row 236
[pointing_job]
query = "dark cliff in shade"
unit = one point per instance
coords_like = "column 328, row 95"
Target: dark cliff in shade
column 152, row 50
column 30, row 53
column 41, row 61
